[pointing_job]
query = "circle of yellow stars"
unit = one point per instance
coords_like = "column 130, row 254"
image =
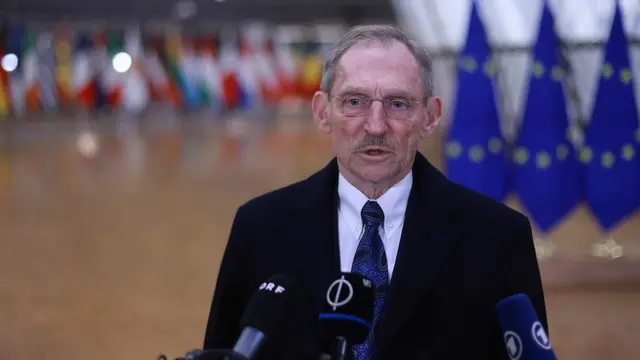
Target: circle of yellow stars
column 538, row 70
column 470, row 64
column 624, row 75
column 543, row 159
column 608, row 158
column 477, row 152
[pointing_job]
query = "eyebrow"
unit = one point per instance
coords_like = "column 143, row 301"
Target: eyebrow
column 361, row 90
column 354, row 90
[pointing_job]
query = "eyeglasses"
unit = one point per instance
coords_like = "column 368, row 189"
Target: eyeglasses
column 397, row 107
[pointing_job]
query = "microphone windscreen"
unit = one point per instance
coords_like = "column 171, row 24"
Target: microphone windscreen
column 524, row 336
column 268, row 306
column 348, row 311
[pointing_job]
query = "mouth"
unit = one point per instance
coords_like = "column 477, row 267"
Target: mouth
column 375, row 152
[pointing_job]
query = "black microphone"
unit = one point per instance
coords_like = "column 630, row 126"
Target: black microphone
column 524, row 336
column 348, row 314
column 215, row 354
column 263, row 315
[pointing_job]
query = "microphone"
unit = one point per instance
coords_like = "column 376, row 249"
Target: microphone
column 199, row 354
column 348, row 314
column 263, row 315
column 524, row 335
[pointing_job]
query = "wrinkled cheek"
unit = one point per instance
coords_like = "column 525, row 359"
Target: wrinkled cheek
column 343, row 145
column 349, row 136
column 351, row 126
column 405, row 149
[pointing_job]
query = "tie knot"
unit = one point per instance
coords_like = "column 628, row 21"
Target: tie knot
column 372, row 213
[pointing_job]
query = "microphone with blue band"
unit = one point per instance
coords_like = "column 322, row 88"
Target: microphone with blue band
column 345, row 317
column 524, row 336
column 348, row 314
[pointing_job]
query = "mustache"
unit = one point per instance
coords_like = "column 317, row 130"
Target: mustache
column 373, row 140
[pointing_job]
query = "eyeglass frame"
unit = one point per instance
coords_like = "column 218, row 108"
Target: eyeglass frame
column 372, row 99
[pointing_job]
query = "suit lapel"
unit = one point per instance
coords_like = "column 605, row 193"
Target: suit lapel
column 317, row 231
column 428, row 235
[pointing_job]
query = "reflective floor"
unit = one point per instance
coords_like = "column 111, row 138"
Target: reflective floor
column 111, row 233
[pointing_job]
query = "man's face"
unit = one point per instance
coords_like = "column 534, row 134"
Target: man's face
column 376, row 143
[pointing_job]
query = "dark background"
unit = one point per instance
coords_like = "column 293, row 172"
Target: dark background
column 281, row 11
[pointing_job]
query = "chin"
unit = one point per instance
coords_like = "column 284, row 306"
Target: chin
column 375, row 174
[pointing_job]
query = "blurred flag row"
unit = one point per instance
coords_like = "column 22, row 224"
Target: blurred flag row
column 129, row 69
column 549, row 171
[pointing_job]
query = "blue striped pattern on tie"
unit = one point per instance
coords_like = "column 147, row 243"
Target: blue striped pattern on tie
column 371, row 261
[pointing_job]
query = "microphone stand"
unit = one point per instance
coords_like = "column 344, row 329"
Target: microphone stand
column 340, row 349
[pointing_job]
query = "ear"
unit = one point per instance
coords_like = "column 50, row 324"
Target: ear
column 433, row 113
column 320, row 107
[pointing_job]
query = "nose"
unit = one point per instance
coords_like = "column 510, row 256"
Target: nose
column 375, row 123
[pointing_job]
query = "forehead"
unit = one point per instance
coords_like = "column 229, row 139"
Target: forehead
column 380, row 68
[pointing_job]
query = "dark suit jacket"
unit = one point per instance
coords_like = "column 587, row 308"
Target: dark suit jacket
column 460, row 253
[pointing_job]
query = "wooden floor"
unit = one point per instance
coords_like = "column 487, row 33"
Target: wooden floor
column 111, row 236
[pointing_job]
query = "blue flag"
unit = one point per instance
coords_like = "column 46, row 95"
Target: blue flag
column 610, row 153
column 546, row 171
column 475, row 148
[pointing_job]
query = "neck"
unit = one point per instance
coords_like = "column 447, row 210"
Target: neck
column 372, row 190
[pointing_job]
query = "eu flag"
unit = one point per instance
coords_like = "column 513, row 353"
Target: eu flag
column 546, row 171
column 475, row 148
column 610, row 153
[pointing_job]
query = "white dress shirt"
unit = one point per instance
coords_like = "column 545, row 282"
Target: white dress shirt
column 393, row 204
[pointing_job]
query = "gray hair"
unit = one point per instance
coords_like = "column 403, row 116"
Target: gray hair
column 385, row 34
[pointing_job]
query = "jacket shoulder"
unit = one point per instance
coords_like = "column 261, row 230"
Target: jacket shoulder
column 275, row 201
column 487, row 209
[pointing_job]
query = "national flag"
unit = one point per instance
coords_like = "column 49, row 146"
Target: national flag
column 248, row 77
column 263, row 63
column 172, row 52
column 271, row 87
column 30, row 71
column 160, row 85
column 84, row 73
column 211, row 81
column 47, row 70
column 475, row 147
column 286, row 68
column 610, row 152
column 187, row 65
column 546, row 172
column 112, row 81
column 200, row 64
column 229, row 59
column 311, row 71
column 16, row 77
column 100, row 64
column 135, row 92
column 5, row 98
column 64, row 66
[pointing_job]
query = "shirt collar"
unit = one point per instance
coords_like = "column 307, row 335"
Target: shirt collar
column 393, row 202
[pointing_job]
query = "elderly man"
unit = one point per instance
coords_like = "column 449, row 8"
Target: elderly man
column 380, row 208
